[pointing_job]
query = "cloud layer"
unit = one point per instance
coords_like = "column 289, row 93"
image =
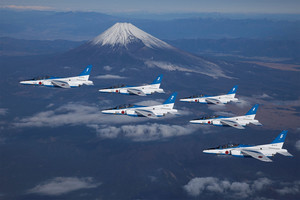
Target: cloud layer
column 145, row 132
column 62, row 185
column 74, row 114
column 109, row 76
column 239, row 190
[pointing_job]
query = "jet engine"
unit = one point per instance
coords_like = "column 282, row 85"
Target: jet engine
column 236, row 153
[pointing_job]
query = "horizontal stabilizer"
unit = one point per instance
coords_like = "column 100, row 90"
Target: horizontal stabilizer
column 146, row 113
column 257, row 155
column 233, row 124
column 61, row 84
column 285, row 153
column 257, row 123
column 136, row 92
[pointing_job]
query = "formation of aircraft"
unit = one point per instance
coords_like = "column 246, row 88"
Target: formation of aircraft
column 237, row 122
column 260, row 152
column 68, row 82
column 142, row 90
column 145, row 111
column 220, row 99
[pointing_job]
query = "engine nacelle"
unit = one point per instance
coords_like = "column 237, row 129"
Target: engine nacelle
column 236, row 153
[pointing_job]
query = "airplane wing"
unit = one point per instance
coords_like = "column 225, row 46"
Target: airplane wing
column 61, row 84
column 212, row 100
column 257, row 155
column 146, row 113
column 136, row 92
column 233, row 124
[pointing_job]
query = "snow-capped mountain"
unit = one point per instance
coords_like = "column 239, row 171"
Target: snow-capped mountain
column 122, row 34
column 126, row 47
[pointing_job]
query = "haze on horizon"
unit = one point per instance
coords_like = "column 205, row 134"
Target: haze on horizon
column 160, row 7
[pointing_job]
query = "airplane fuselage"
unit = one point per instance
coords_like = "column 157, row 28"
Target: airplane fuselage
column 146, row 89
column 221, row 99
column 50, row 82
column 158, row 110
column 242, row 120
column 267, row 149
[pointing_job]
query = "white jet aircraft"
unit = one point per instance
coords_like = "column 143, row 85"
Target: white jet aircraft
column 237, row 122
column 221, row 99
column 137, row 90
column 145, row 111
column 68, row 82
column 260, row 152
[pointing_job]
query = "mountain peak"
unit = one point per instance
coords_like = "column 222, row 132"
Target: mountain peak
column 122, row 34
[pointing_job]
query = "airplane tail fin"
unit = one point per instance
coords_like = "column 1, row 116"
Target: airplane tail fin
column 171, row 99
column 233, row 90
column 86, row 71
column 279, row 140
column 253, row 110
column 157, row 81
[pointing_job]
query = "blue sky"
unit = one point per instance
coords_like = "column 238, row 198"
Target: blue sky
column 161, row 6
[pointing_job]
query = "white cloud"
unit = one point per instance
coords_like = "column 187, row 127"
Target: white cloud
column 72, row 114
column 146, row 132
column 297, row 145
column 197, row 186
column 41, row 8
column 62, row 185
column 107, row 68
column 109, row 76
column 263, row 96
column 75, row 114
column 3, row 111
column 290, row 188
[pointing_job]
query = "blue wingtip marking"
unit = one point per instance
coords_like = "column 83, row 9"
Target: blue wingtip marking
column 281, row 137
column 171, row 99
column 233, row 90
column 158, row 79
column 86, row 71
column 253, row 110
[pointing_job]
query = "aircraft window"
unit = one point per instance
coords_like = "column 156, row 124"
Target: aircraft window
column 195, row 96
column 123, row 106
column 40, row 78
column 208, row 117
column 117, row 86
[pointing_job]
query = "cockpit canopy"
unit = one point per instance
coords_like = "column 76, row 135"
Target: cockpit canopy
column 117, row 86
column 39, row 78
column 195, row 96
column 225, row 146
column 208, row 117
column 122, row 107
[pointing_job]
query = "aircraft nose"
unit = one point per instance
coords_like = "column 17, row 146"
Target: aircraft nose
column 184, row 100
column 103, row 90
column 23, row 82
column 205, row 151
column 195, row 122
column 107, row 111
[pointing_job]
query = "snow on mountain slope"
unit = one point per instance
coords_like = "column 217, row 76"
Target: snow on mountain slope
column 125, row 33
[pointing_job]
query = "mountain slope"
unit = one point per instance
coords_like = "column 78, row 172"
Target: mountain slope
column 125, row 44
